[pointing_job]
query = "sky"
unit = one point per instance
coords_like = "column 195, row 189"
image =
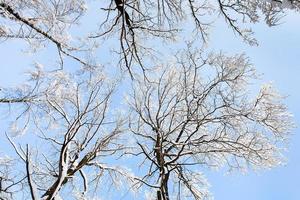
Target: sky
column 277, row 57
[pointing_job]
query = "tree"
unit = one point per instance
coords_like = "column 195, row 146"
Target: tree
column 188, row 118
column 135, row 24
column 70, row 115
column 183, row 115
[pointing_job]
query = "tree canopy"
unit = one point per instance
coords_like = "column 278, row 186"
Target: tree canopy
column 85, row 128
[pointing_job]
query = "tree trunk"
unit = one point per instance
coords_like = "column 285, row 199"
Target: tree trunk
column 163, row 192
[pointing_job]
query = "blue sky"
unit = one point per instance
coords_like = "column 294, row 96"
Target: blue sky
column 277, row 57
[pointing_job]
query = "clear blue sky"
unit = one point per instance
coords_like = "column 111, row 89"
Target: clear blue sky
column 277, row 57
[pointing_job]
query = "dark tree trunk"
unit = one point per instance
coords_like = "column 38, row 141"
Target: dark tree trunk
column 163, row 192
